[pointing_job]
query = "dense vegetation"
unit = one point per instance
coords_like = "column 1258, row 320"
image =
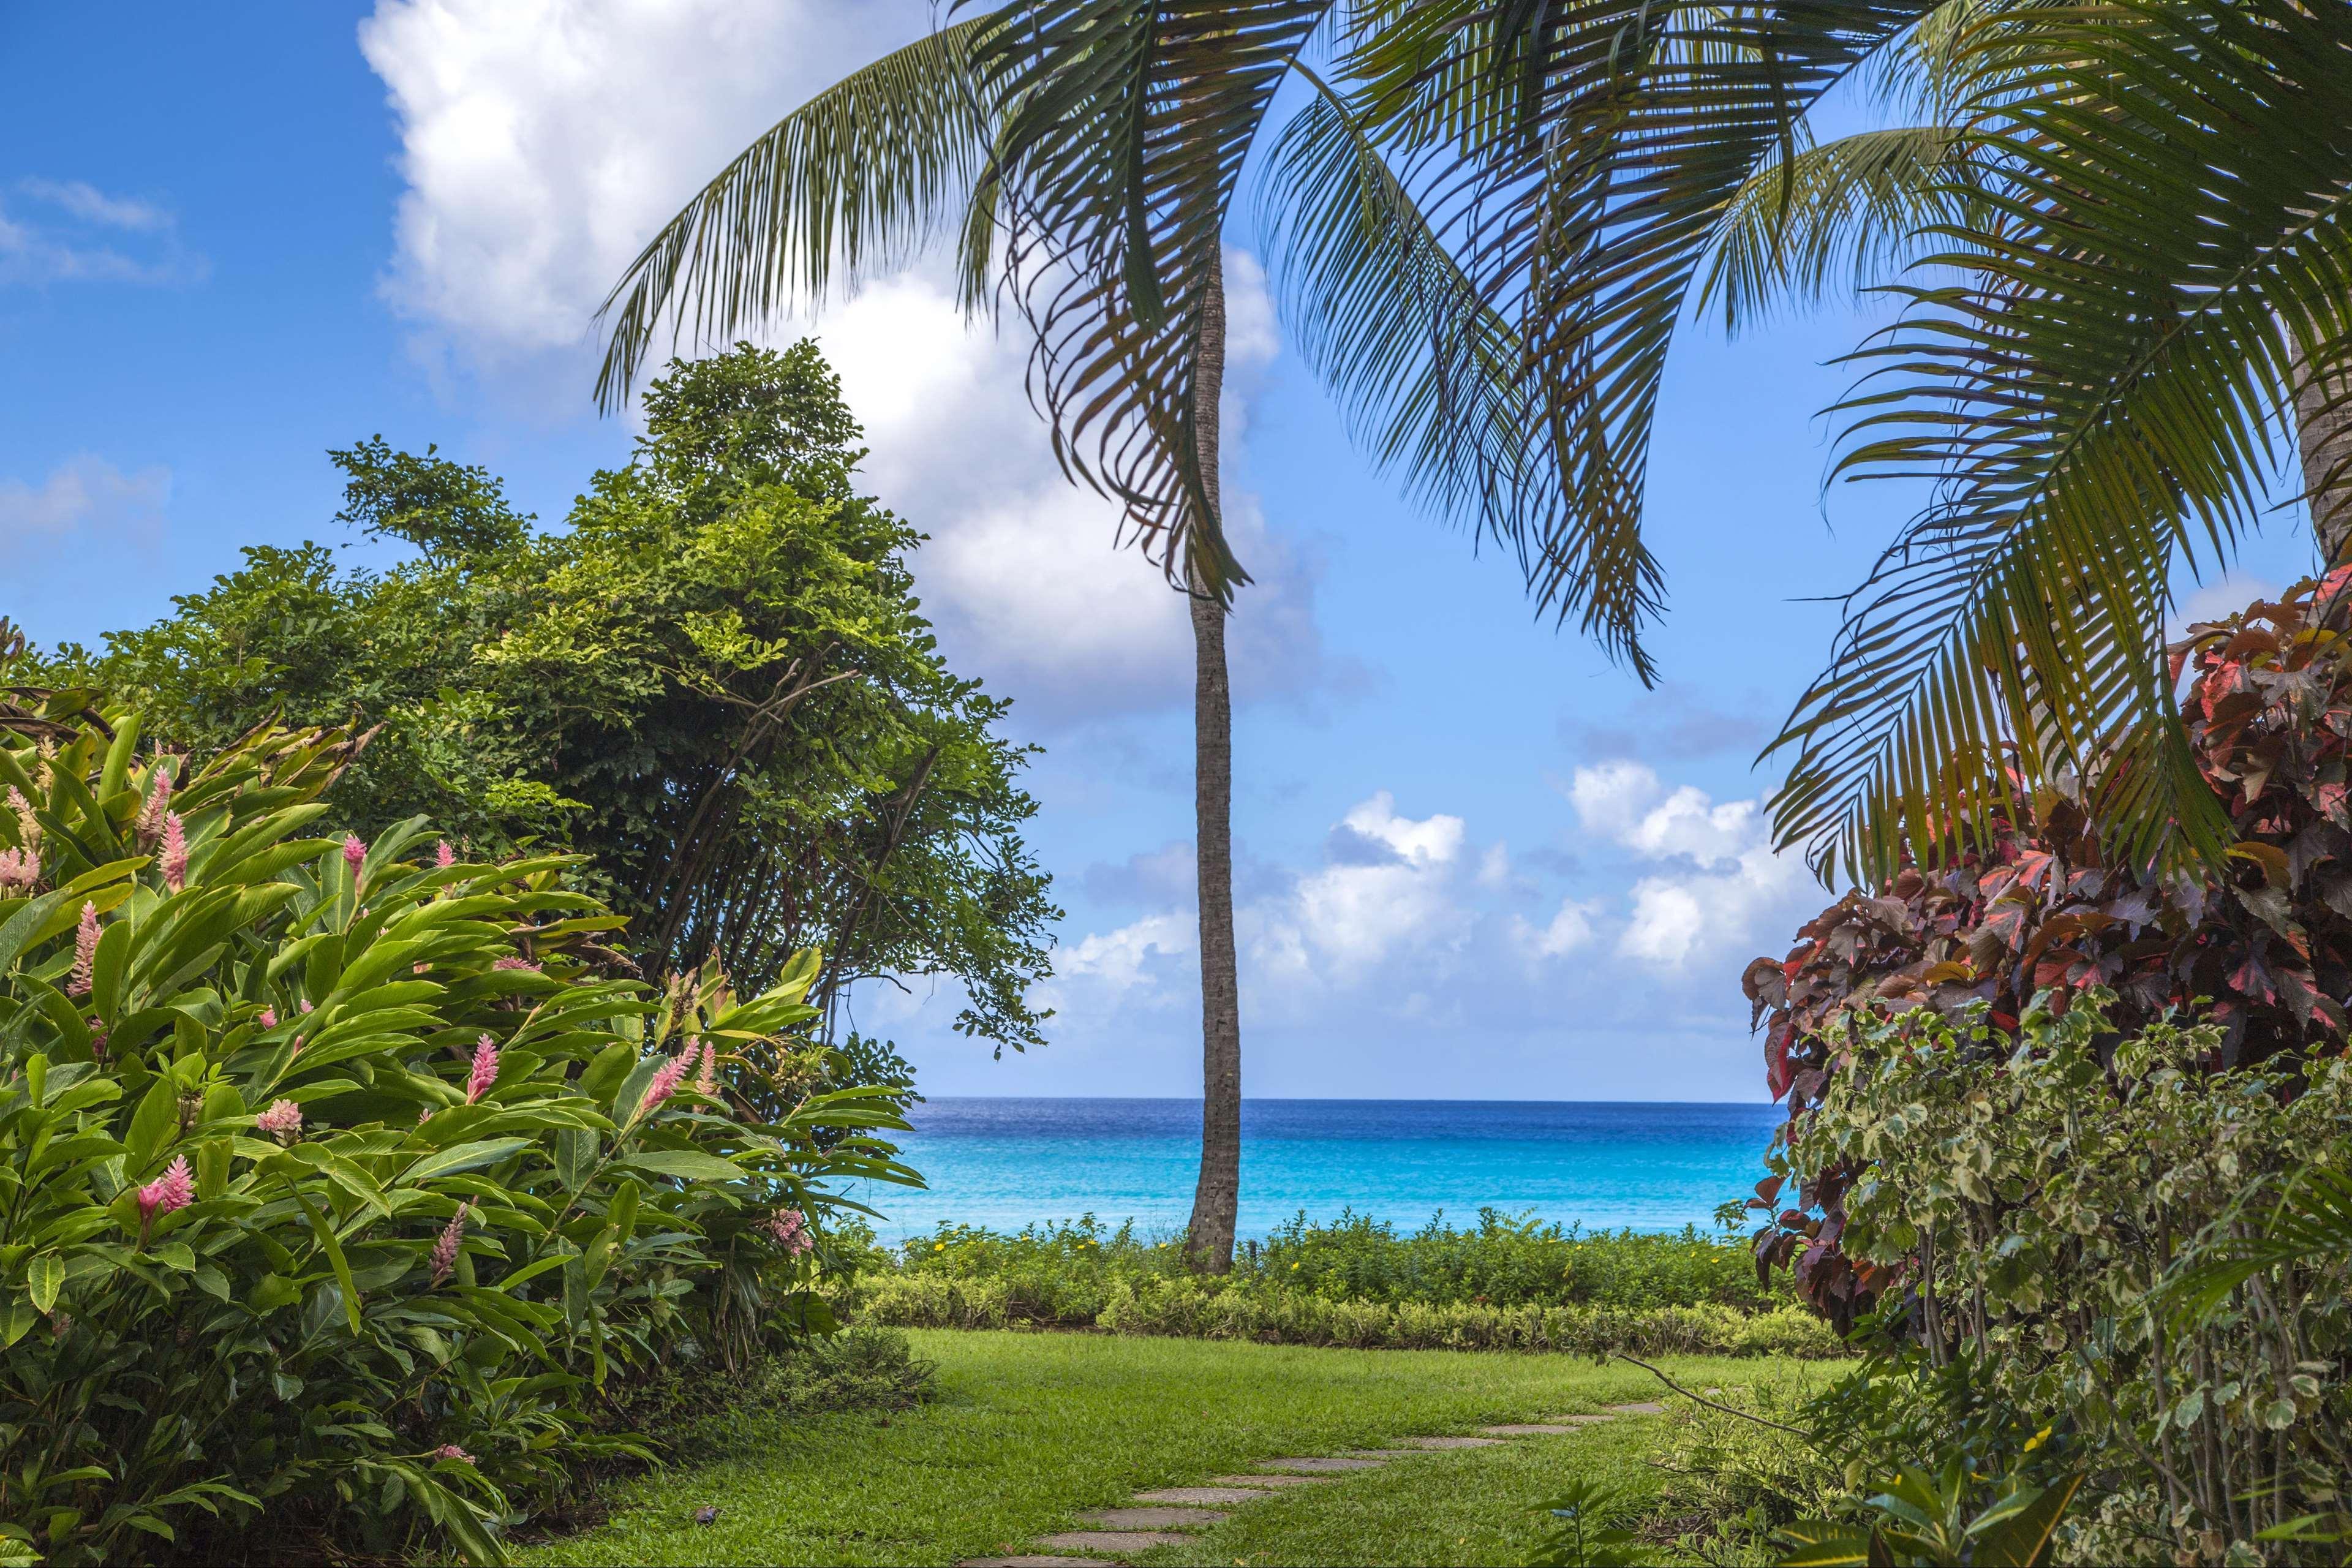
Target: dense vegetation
column 1503, row 1285
column 715, row 681
column 343, row 1178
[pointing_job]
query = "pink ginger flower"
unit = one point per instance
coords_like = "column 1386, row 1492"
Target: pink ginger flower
column 175, row 852
column 306, row 1007
column 706, row 1082
column 282, row 1120
column 666, row 1081
column 451, row 1451
column 512, row 961
column 424, row 1115
column 444, row 1251
column 443, row 855
column 355, row 855
column 28, row 826
column 85, row 952
column 174, row 1189
column 159, row 801
column 269, row 1017
column 486, row 1069
column 18, row 869
column 789, row 1228
column 96, row 1041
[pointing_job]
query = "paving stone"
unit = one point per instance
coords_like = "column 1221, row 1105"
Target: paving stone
column 1268, row 1483
column 1320, row 1464
column 1533, row 1429
column 1645, row 1408
column 1036, row 1559
column 1585, row 1420
column 1202, row 1494
column 1112, row 1540
column 1152, row 1518
column 1384, row 1453
column 1435, row 1443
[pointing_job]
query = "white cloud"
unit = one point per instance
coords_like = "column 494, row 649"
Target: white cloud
column 1570, row 928
column 82, row 495
column 1726, row 890
column 69, row 231
column 543, row 142
column 1118, row 958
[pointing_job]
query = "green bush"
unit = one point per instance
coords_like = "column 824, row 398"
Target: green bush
column 336, row 1180
column 1506, row 1285
column 2036, row 1209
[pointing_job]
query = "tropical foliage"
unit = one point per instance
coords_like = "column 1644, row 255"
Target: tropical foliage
column 342, row 1178
column 2040, row 1215
column 715, row 681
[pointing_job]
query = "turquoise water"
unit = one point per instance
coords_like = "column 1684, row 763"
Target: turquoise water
column 1007, row 1163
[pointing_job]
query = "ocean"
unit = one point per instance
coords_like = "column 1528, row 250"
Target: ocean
column 1004, row 1163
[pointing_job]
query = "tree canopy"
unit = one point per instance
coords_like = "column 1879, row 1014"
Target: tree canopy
column 716, row 681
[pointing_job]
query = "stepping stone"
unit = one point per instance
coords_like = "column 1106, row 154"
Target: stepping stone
column 1577, row 1420
column 1435, row 1443
column 1202, row 1495
column 1112, row 1540
column 1533, row 1429
column 1644, row 1409
column 1267, row 1483
column 1033, row 1559
column 1384, row 1453
column 1320, row 1464
column 1152, row 1518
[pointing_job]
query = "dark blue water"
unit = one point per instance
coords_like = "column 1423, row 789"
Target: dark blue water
column 1006, row 1163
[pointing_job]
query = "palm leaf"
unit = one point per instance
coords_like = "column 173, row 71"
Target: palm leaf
column 849, row 185
column 1126, row 127
column 2103, row 396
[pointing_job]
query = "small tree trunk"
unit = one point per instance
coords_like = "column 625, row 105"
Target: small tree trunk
column 2323, row 407
column 1210, row 1238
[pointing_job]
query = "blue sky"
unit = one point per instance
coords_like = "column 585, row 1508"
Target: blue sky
column 1474, row 859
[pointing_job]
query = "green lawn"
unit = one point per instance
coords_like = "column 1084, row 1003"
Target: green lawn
column 1030, row 1427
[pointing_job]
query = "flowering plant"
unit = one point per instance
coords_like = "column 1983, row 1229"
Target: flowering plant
column 317, row 1206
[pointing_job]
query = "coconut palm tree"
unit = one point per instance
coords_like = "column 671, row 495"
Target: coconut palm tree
column 1084, row 156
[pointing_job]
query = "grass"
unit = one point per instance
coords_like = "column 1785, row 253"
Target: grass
column 1028, row 1428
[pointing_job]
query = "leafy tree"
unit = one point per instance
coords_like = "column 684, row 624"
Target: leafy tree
column 716, row 682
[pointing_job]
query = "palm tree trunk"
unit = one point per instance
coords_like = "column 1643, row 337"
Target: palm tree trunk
column 2323, row 407
column 1209, row 1238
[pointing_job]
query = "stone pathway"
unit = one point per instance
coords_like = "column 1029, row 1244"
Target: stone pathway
column 1167, row 1515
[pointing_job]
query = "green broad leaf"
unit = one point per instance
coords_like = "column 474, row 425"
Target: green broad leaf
column 2021, row 1539
column 152, row 1124
column 176, row 1255
column 575, row 1156
column 115, row 774
column 685, row 1164
column 21, row 1317
column 603, row 1073
column 334, row 1251
column 210, row 1280
column 464, row 1157
column 272, row 1291
column 1819, row 1543
column 113, row 957
column 16, row 935
column 45, row 1277
column 575, row 1292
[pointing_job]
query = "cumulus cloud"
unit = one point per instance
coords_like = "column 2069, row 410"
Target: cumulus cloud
column 84, row 495
column 543, row 142
column 69, row 231
column 1722, row 891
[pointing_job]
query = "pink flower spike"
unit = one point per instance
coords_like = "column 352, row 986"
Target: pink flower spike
column 354, row 852
column 451, row 1451
column 306, row 1007
column 268, row 1017
column 443, row 855
column 159, row 801
column 297, row 1050
column 444, row 1251
column 706, row 1082
column 175, row 853
column 512, row 961
column 28, row 826
column 424, row 1115
column 18, row 869
column 173, row 1190
column 486, row 1069
column 666, row 1081
column 85, row 965
column 282, row 1120
column 789, row 1228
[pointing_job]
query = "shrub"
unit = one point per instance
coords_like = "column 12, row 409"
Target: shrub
column 2032, row 1208
column 338, row 1182
column 2035, row 903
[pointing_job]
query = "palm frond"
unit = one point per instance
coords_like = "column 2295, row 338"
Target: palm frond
column 849, row 185
column 1577, row 157
column 1127, row 122
column 2169, row 231
column 1426, row 376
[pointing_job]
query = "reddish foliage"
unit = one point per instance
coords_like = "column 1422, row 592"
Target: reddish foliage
column 2032, row 905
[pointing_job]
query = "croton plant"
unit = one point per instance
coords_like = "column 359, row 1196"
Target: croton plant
column 2032, row 901
column 336, row 1177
